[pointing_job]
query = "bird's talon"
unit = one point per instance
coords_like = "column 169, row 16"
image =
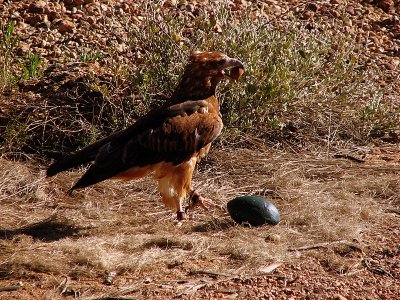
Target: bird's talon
column 197, row 200
column 181, row 215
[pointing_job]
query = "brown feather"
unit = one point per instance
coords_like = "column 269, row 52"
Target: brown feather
column 169, row 140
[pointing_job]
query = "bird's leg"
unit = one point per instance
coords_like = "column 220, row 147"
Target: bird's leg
column 197, row 200
column 181, row 213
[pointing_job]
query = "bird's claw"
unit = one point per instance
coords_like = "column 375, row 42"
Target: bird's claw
column 198, row 200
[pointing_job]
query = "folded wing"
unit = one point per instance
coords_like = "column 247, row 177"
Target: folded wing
column 172, row 134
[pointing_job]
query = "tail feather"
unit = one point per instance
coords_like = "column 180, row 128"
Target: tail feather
column 96, row 174
column 81, row 157
column 67, row 162
column 87, row 179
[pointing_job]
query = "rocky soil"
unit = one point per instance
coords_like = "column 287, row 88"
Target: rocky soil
column 63, row 31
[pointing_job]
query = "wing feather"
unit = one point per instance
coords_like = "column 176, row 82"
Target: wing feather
column 172, row 134
column 177, row 139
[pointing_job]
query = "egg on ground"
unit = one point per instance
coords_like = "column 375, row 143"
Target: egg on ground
column 254, row 210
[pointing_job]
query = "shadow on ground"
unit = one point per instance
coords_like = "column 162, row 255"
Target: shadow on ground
column 214, row 225
column 47, row 230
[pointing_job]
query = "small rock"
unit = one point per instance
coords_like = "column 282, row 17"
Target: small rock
column 38, row 7
column 15, row 14
column 288, row 291
column 385, row 5
column 395, row 62
column 339, row 297
column 170, row 3
column 312, row 6
column 350, row 10
column 307, row 15
column 44, row 44
column 52, row 15
column 74, row 2
column 23, row 48
column 76, row 16
column 66, row 26
column 91, row 20
column 121, row 48
column 34, row 19
column 95, row 26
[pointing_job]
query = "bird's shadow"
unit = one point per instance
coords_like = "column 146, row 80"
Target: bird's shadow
column 47, row 230
column 214, row 225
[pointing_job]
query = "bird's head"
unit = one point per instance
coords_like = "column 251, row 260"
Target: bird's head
column 215, row 64
column 203, row 73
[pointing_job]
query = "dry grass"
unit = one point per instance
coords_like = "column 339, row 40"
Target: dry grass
column 123, row 227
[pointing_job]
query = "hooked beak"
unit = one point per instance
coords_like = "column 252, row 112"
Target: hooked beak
column 233, row 69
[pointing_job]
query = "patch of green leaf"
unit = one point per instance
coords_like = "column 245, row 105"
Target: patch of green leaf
column 8, row 42
column 30, row 67
column 91, row 57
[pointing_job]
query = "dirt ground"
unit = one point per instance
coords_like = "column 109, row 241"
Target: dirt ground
column 338, row 238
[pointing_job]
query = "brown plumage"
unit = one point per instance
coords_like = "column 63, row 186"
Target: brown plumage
column 168, row 141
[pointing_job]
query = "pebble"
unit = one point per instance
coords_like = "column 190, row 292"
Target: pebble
column 66, row 26
column 37, row 7
column 49, row 20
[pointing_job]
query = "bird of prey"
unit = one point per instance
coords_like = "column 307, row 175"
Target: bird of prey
column 168, row 141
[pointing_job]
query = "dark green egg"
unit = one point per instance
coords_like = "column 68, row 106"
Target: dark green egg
column 254, row 210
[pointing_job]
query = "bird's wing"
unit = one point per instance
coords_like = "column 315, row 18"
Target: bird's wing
column 117, row 140
column 85, row 155
column 171, row 135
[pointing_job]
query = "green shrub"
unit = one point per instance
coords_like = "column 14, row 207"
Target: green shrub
column 8, row 42
column 91, row 57
column 303, row 85
column 300, row 84
column 30, row 67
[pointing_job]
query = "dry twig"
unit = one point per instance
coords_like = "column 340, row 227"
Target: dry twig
column 11, row 288
column 316, row 246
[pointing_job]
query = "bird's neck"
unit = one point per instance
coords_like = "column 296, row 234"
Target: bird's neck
column 194, row 88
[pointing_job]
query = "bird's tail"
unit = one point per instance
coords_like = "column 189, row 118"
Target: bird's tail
column 97, row 173
column 68, row 162
column 81, row 157
column 87, row 179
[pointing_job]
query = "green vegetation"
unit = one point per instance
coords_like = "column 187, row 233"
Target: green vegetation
column 8, row 41
column 14, row 67
column 91, row 57
column 30, row 68
column 303, row 86
column 300, row 84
